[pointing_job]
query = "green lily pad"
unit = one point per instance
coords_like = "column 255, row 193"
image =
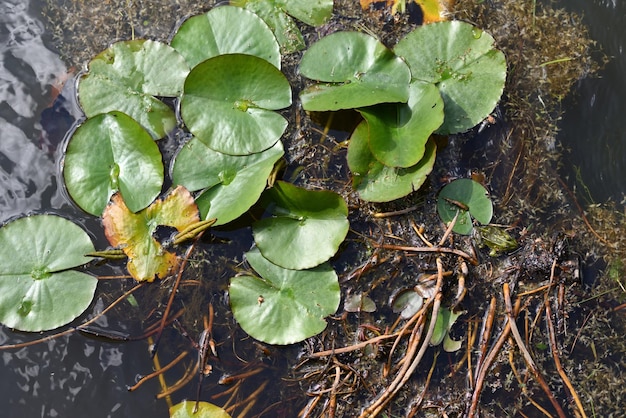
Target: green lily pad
column 276, row 14
column 306, row 228
column 226, row 30
column 229, row 103
column 185, row 409
column 111, row 152
column 376, row 182
column 357, row 71
column 232, row 184
column 470, row 199
column 398, row 132
column 464, row 64
column 134, row 232
column 443, row 325
column 38, row 291
column 283, row 306
column 126, row 77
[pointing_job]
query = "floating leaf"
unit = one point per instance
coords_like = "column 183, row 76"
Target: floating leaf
column 466, row 197
column 434, row 10
column 232, row 184
column 443, row 325
column 398, row 132
column 359, row 303
column 464, row 64
column 376, row 182
column 134, row 232
column 407, row 302
column 283, row 306
column 185, row 409
column 306, row 228
column 241, row 92
column 275, row 13
column 226, row 30
column 111, row 152
column 126, row 77
column 357, row 70
column 38, row 291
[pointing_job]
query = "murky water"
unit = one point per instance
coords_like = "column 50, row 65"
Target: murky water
column 82, row 377
column 593, row 125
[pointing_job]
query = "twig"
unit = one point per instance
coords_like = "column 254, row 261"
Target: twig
column 526, row 354
column 405, row 373
column 159, row 371
column 555, row 353
column 447, row 250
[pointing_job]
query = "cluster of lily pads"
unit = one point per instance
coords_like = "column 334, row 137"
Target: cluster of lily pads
column 220, row 79
column 442, row 78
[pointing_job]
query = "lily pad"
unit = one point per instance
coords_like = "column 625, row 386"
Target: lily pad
column 276, row 14
column 229, row 103
column 185, row 409
column 126, row 77
column 376, row 182
column 464, row 64
column 111, row 152
column 38, row 291
column 407, row 302
column 359, row 303
column 226, row 30
column 306, row 227
column 134, row 232
column 398, row 132
column 283, row 306
column 357, row 71
column 470, row 199
column 231, row 184
column 443, row 325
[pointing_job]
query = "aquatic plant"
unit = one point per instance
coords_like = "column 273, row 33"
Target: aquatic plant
column 283, row 306
column 463, row 200
column 230, row 95
column 277, row 14
column 454, row 79
column 39, row 290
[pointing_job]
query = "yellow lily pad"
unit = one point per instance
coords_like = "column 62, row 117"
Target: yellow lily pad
column 134, row 232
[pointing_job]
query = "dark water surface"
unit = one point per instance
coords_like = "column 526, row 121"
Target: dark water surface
column 593, row 126
column 78, row 376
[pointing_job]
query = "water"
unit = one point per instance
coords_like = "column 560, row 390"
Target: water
column 593, row 123
column 80, row 376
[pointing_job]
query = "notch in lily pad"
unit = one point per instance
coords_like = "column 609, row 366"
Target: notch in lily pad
column 277, row 14
column 354, row 70
column 462, row 61
column 306, row 226
column 108, row 153
column 128, row 76
column 283, row 306
column 467, row 198
column 226, row 30
column 38, row 289
column 230, row 100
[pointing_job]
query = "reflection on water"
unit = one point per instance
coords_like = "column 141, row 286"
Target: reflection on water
column 28, row 69
column 593, row 124
column 72, row 375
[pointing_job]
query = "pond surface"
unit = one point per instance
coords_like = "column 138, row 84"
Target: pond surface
column 593, row 123
column 85, row 377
